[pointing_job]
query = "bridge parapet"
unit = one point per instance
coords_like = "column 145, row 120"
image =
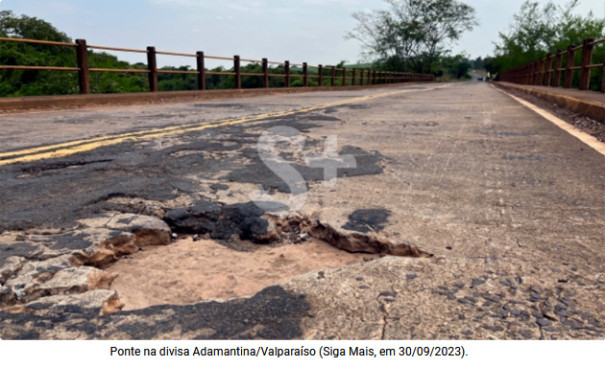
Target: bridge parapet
column 549, row 70
column 286, row 71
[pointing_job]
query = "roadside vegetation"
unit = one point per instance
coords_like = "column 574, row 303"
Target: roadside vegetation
column 16, row 83
column 412, row 36
column 416, row 36
column 541, row 28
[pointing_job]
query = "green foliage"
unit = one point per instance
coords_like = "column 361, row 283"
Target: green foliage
column 251, row 81
column 103, row 82
column 537, row 31
column 172, row 82
column 477, row 63
column 414, row 33
column 33, row 82
column 29, row 27
column 453, row 67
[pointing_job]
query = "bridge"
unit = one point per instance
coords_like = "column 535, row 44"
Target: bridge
column 402, row 211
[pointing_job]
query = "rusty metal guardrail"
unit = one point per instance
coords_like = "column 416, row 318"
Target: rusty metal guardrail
column 355, row 76
column 548, row 70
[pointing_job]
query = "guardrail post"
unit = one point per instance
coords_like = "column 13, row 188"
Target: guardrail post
column 543, row 70
column 333, row 78
column 305, row 75
column 548, row 69
column 354, row 77
column 152, row 66
column 373, row 76
column 320, row 72
column 603, row 76
column 238, row 72
column 587, row 48
column 201, row 71
column 558, row 63
column 540, row 74
column 537, row 69
column 287, row 69
column 344, row 77
column 83, row 73
column 569, row 63
column 527, row 75
column 266, row 73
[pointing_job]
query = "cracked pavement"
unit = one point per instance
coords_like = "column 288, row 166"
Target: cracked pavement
column 511, row 208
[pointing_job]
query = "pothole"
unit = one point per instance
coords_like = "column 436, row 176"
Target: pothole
column 191, row 271
column 219, row 251
column 231, row 251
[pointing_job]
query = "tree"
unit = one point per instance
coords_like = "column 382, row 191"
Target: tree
column 29, row 27
column 414, row 33
column 453, row 67
column 537, row 31
column 36, row 82
column 33, row 82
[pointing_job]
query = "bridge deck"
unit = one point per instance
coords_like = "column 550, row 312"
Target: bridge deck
column 511, row 207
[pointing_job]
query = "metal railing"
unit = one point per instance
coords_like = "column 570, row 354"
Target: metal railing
column 354, row 76
column 548, row 70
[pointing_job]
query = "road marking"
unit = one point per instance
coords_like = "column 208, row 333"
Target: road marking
column 585, row 138
column 78, row 146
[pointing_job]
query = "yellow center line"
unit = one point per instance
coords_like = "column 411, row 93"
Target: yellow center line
column 78, row 146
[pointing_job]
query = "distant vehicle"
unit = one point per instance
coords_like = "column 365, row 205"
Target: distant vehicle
column 480, row 79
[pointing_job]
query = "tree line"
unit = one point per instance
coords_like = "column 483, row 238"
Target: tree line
column 411, row 36
column 417, row 35
column 16, row 83
column 542, row 28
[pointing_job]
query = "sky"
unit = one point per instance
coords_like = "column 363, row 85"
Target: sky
column 299, row 31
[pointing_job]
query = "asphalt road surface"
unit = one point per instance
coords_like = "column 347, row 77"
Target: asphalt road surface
column 498, row 196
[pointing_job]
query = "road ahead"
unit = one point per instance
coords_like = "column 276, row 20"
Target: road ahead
column 510, row 207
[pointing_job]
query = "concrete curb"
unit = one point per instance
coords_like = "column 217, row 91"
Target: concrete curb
column 592, row 109
column 23, row 104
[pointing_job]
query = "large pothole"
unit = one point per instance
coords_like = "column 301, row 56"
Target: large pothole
column 191, row 271
column 220, row 251
column 231, row 251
